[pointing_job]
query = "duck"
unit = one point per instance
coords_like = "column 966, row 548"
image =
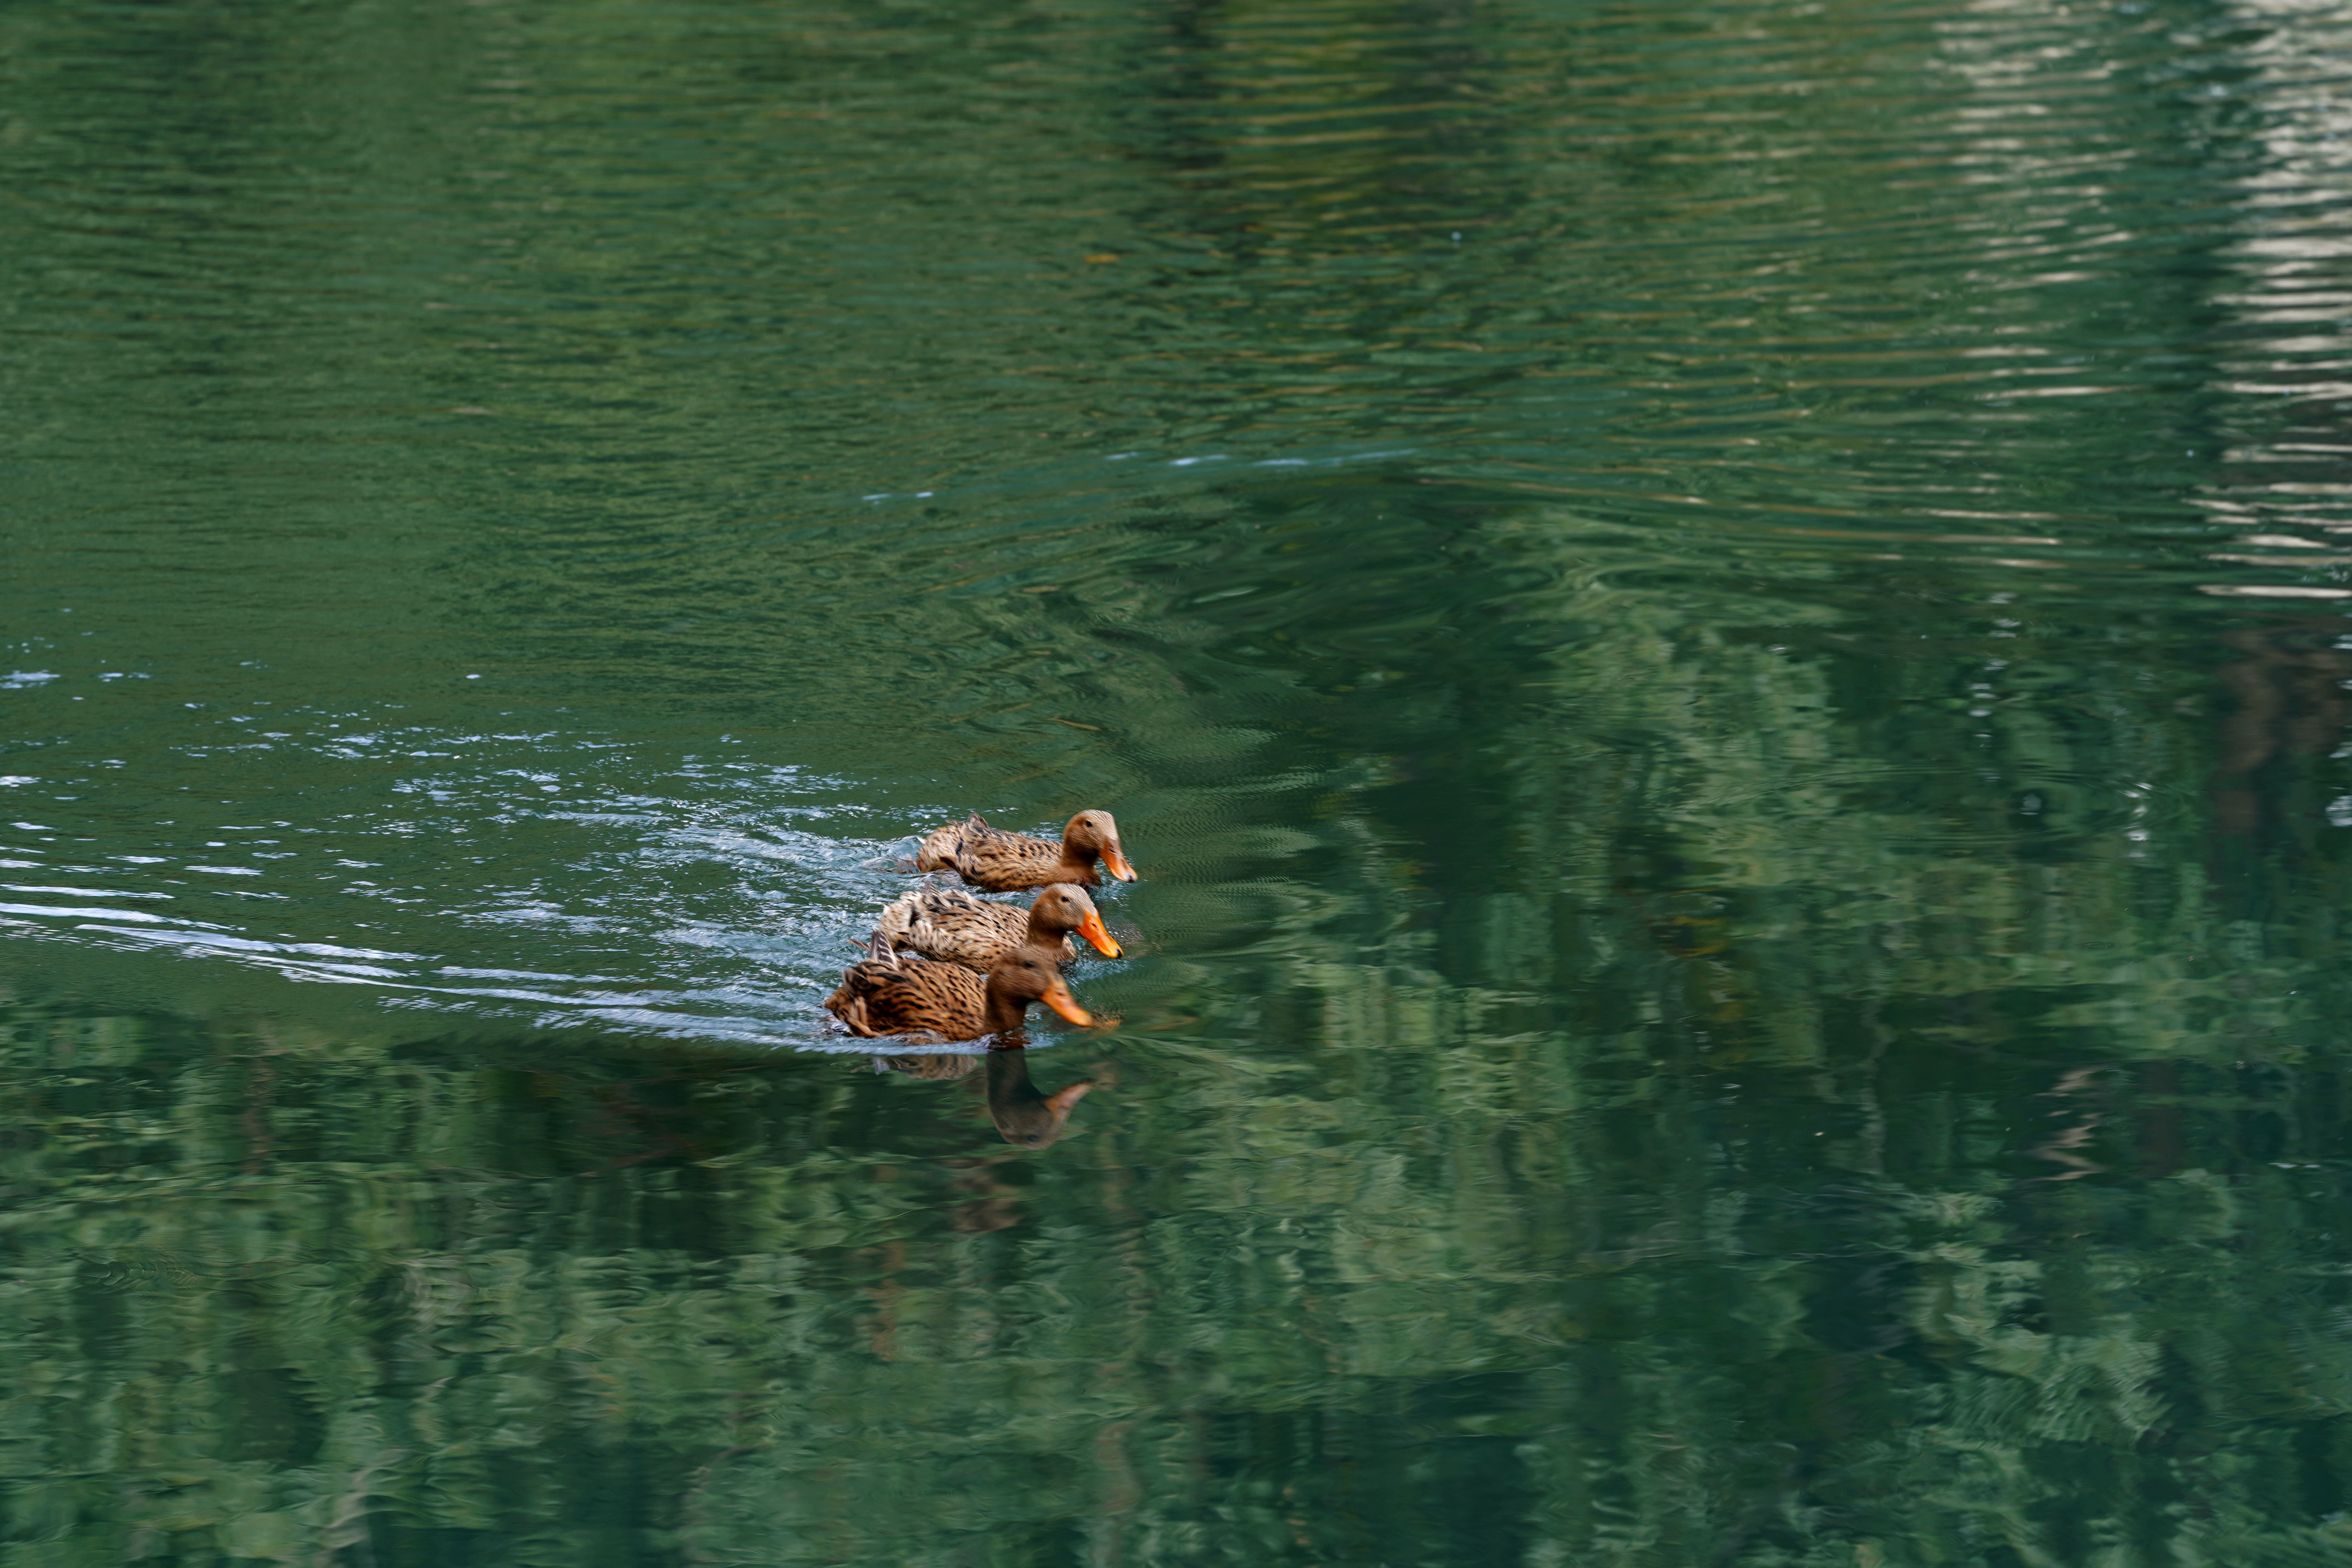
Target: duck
column 1007, row 862
column 888, row 992
column 1022, row 1115
column 949, row 923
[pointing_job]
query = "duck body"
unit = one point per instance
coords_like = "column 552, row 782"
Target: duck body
column 891, row 993
column 952, row 924
column 1007, row 862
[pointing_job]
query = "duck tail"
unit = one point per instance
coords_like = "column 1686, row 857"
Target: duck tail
column 894, row 921
column 878, row 948
column 940, row 847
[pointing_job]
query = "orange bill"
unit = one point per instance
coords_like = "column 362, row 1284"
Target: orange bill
column 1060, row 1100
column 1091, row 928
column 1058, row 997
column 1117, row 863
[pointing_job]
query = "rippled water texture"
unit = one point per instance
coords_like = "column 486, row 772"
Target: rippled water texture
column 1720, row 631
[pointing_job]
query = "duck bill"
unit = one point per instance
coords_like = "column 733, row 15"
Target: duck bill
column 1091, row 928
column 1060, row 1100
column 1058, row 997
column 1116, row 863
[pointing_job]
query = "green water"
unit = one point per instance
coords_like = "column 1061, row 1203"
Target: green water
column 1721, row 630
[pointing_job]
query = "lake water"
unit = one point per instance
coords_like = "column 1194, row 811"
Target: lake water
column 1721, row 630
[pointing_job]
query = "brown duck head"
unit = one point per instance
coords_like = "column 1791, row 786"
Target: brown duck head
column 1061, row 908
column 1025, row 1116
column 1020, row 977
column 1091, row 834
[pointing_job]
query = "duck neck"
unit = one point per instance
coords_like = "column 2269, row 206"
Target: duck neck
column 1077, row 869
column 1044, row 933
column 1005, row 1013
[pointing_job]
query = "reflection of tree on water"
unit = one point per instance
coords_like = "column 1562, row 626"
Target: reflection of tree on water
column 1025, row 1116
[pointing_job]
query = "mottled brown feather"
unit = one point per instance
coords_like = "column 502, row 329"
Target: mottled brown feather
column 912, row 998
column 949, row 923
column 902, row 994
column 1007, row 862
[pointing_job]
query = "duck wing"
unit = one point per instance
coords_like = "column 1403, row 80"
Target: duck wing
column 943, row 847
column 904, row 995
column 1006, row 862
column 952, row 924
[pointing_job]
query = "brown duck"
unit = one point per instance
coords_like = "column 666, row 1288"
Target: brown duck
column 949, row 923
column 890, row 993
column 1004, row 862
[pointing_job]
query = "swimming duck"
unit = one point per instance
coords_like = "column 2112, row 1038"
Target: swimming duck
column 890, row 993
column 1004, row 862
column 1022, row 1114
column 949, row 923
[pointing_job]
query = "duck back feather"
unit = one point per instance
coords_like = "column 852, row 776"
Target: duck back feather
column 949, row 923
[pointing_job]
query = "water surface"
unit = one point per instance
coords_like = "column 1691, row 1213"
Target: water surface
column 1721, row 630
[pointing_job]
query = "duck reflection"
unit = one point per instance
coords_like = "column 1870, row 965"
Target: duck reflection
column 944, row 1069
column 2287, row 706
column 1025, row 1116
column 1022, row 1115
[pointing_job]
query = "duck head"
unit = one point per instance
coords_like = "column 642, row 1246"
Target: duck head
column 1020, row 977
column 1062, row 906
column 1022, row 1114
column 1091, row 834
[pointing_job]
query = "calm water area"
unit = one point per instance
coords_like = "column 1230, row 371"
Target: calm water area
column 1720, row 628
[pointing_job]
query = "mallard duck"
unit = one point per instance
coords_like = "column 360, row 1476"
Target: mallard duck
column 1022, row 1114
column 949, row 923
column 1006, row 862
column 890, row 993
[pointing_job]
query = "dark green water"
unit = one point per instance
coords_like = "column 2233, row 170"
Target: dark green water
column 1721, row 630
